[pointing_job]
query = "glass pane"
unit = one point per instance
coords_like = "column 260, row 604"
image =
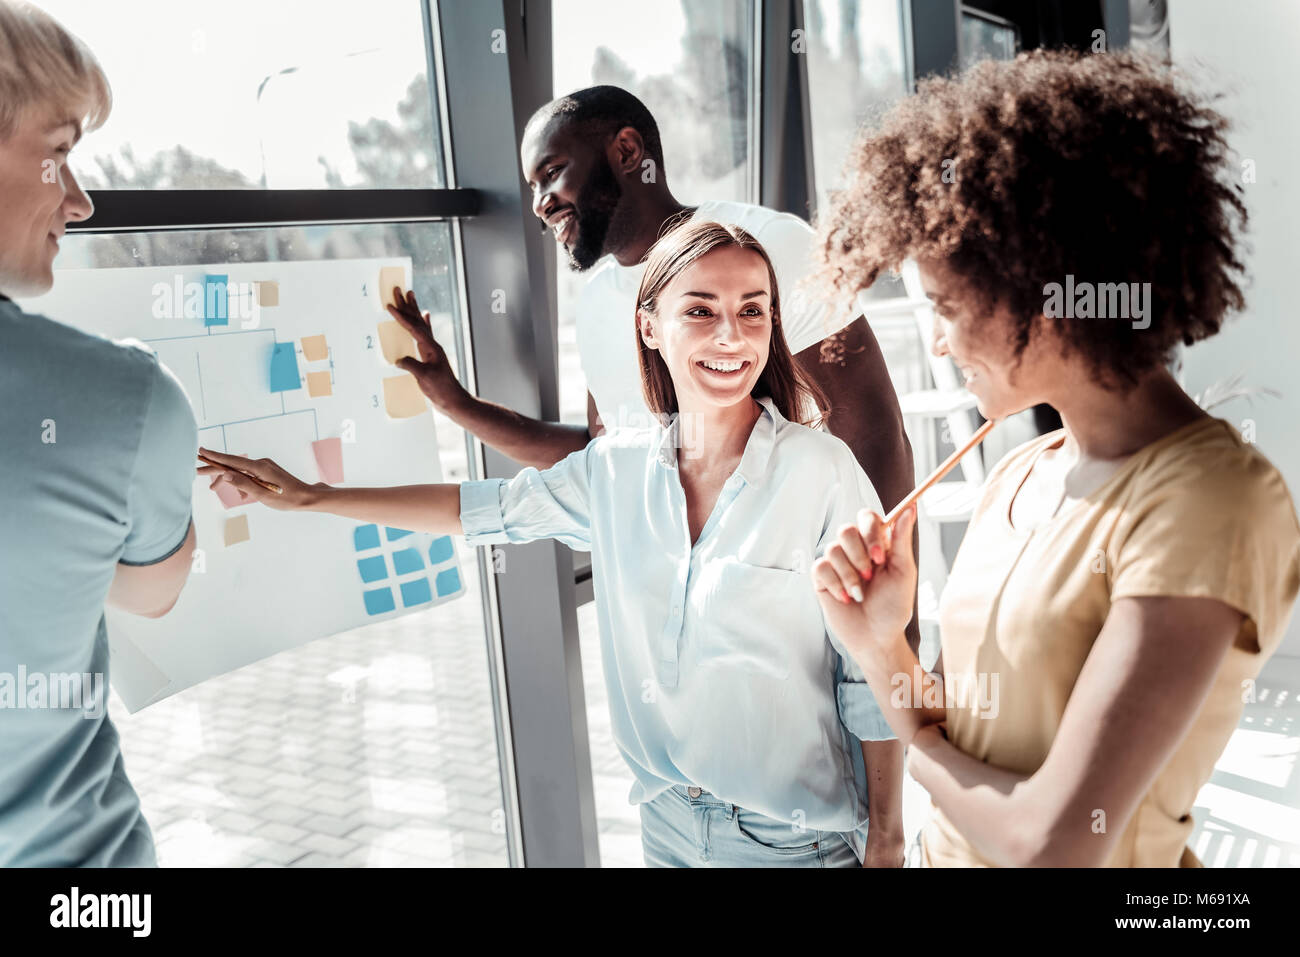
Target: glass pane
column 248, row 94
column 377, row 746
column 986, row 38
column 855, row 73
column 690, row 62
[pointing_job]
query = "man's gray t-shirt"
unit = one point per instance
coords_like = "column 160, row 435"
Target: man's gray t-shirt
column 97, row 457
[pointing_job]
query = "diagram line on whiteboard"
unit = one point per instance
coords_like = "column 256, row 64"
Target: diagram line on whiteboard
column 234, row 332
column 202, row 399
column 259, row 418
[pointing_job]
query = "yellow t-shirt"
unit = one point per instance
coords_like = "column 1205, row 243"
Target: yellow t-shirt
column 1198, row 513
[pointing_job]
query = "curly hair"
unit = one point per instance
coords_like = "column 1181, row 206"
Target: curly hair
column 1021, row 173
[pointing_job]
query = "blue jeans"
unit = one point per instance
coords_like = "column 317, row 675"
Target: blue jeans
column 692, row 828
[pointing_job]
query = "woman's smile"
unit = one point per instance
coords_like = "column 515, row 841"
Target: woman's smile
column 725, row 368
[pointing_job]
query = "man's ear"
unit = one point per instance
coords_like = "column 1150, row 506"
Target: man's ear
column 646, row 328
column 626, row 150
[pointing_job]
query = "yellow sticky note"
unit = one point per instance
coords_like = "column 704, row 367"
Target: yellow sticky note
column 318, row 383
column 402, row 397
column 314, row 348
column 389, row 277
column 395, row 342
column 267, row 293
column 236, row 530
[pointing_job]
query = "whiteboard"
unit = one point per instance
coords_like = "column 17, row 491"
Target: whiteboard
column 263, row 383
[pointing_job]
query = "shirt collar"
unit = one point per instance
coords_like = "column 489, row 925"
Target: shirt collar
column 758, row 450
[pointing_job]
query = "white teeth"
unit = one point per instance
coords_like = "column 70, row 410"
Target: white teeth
column 722, row 366
column 563, row 222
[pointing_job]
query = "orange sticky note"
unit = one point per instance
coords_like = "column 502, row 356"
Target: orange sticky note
column 395, row 342
column 329, row 459
column 314, row 348
column 318, row 383
column 402, row 397
column 267, row 293
column 389, row 277
column 236, row 530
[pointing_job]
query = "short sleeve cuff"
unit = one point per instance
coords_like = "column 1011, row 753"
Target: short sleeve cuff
column 860, row 713
column 133, row 557
column 480, row 512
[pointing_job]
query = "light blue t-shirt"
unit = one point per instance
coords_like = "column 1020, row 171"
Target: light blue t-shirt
column 97, row 457
column 720, row 669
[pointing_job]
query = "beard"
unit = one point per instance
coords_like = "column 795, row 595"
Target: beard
column 599, row 225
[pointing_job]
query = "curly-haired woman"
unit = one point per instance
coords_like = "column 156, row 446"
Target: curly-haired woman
column 1123, row 579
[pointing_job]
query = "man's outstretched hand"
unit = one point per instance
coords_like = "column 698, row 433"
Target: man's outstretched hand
column 432, row 370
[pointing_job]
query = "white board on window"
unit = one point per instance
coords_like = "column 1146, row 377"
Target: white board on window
column 293, row 363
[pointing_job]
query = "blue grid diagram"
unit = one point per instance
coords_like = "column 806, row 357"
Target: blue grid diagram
column 400, row 565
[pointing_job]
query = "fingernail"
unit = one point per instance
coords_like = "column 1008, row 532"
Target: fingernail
column 857, row 593
column 877, row 554
column 866, row 576
column 844, row 596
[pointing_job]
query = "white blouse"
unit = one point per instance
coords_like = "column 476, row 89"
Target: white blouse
column 720, row 668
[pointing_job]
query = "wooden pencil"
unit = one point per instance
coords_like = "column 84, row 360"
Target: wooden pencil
column 939, row 473
column 269, row 486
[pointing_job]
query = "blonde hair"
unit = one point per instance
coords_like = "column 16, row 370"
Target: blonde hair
column 42, row 65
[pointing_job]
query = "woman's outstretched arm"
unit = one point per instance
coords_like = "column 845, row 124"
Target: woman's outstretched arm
column 420, row 508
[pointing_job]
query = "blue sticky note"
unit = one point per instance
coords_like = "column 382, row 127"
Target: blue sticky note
column 395, row 533
column 215, row 309
column 441, row 550
column 284, row 368
column 366, row 536
column 372, row 569
column 448, row 582
column 416, row 592
column 407, row 560
column 379, row 601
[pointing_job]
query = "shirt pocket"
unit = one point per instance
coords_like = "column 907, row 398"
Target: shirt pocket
column 760, row 620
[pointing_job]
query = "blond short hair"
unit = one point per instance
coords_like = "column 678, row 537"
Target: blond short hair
column 42, row 65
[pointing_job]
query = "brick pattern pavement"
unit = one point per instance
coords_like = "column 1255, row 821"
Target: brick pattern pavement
column 373, row 747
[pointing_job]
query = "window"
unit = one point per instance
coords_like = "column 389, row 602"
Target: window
column 986, row 37
column 691, row 63
column 855, row 73
column 249, row 94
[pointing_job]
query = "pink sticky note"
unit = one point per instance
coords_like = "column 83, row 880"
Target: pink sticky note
column 229, row 495
column 329, row 459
